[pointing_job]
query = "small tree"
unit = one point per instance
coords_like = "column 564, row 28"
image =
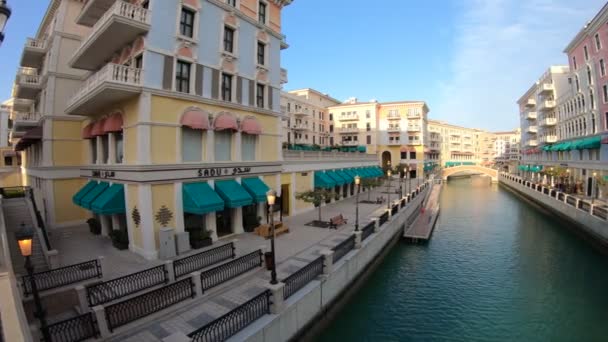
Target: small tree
column 316, row 197
column 369, row 183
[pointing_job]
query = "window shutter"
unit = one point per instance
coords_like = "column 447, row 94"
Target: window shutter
column 270, row 97
column 198, row 81
column 215, row 84
column 251, row 93
column 168, row 73
column 239, row 89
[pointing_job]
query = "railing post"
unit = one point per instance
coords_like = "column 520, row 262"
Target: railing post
column 276, row 297
column 198, row 286
column 357, row 239
column 83, row 302
column 234, row 241
column 389, row 214
column 102, row 323
column 170, row 271
column 104, row 267
column 328, row 261
column 576, row 200
column 53, row 259
column 376, row 224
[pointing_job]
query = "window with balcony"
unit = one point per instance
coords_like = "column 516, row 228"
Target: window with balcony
column 223, row 145
column 261, row 53
column 186, row 23
column 228, row 39
column 192, row 144
column 231, row 3
column 248, row 146
column 226, row 87
column 259, row 95
column 262, row 8
column 182, row 77
column 586, row 52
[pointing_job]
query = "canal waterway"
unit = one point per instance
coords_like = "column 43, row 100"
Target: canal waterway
column 496, row 269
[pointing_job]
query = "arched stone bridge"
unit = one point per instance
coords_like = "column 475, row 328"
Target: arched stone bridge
column 446, row 172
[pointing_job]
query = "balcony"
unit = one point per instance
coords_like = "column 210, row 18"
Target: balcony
column 300, row 127
column 413, row 128
column 351, row 117
column 394, row 142
column 393, row 116
column 284, row 44
column 549, row 122
column 532, row 143
column 350, row 143
column 299, row 141
column 301, row 112
column 546, row 105
column 23, row 120
column 22, row 105
column 530, row 103
column 531, row 115
column 109, row 85
column 532, row 129
column 33, row 53
column 550, row 138
column 413, row 115
column 455, row 143
column 92, row 11
column 120, row 25
column 393, row 129
column 284, row 78
column 349, row 130
column 28, row 84
column 546, row 88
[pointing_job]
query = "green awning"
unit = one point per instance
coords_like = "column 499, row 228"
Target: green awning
column 199, row 198
column 352, row 173
column 111, row 201
column 344, row 175
column 77, row 198
column 323, row 181
column 546, row 148
column 362, row 149
column 378, row 171
column 256, row 188
column 592, row 142
column 88, row 199
column 335, row 177
column 233, row 194
column 565, row 146
column 370, row 174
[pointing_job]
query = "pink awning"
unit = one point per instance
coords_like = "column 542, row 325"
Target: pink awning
column 406, row 149
column 195, row 119
column 225, row 121
column 98, row 128
column 113, row 123
column 251, row 126
column 86, row 131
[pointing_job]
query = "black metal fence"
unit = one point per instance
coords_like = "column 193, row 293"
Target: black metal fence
column 74, row 329
column 39, row 220
column 383, row 218
column 367, row 230
column 303, row 276
column 62, row 276
column 343, row 248
column 394, row 209
column 117, row 288
column 229, row 324
column 148, row 303
column 201, row 260
column 229, row 270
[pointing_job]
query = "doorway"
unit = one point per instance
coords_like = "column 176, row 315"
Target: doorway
column 285, row 196
column 386, row 159
column 250, row 217
column 589, row 186
column 223, row 222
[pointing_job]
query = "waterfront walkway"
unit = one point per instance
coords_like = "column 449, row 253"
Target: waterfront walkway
column 422, row 228
column 296, row 249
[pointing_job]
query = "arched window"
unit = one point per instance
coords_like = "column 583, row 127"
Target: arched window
column 224, row 125
column 113, row 125
column 194, row 124
column 589, row 79
column 250, row 129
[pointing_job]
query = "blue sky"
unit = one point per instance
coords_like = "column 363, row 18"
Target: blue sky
column 470, row 60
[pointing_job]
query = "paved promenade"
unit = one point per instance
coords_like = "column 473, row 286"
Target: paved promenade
column 422, row 228
column 296, row 249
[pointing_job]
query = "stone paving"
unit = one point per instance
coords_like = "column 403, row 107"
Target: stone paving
column 294, row 250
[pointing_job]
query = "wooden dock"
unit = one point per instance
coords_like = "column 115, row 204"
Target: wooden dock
column 421, row 229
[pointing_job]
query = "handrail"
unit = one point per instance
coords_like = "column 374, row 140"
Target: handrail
column 63, row 276
column 303, row 276
column 111, row 72
column 203, row 259
column 113, row 289
column 232, row 269
column 343, row 248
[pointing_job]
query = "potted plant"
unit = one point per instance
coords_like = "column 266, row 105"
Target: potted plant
column 94, row 226
column 120, row 239
column 200, row 237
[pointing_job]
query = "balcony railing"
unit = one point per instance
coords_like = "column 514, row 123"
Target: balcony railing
column 33, row 53
column 300, row 127
column 551, row 138
column 532, row 143
column 29, row 83
column 393, row 129
column 547, row 105
column 546, row 88
column 413, row 115
column 284, row 44
column 350, row 143
column 301, row 112
column 549, row 122
column 532, row 129
column 531, row 103
column 413, row 128
column 284, row 78
column 349, row 130
column 25, row 119
column 531, row 115
column 349, row 117
column 393, row 116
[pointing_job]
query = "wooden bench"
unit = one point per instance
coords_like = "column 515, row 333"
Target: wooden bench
column 336, row 221
column 265, row 231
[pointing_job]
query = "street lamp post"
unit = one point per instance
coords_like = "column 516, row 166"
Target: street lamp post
column 271, row 196
column 24, row 239
column 5, row 13
column 388, row 188
column 358, row 184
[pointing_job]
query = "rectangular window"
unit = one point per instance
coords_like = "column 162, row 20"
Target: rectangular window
column 105, row 151
column 259, row 96
column 368, row 114
column 602, row 68
column 248, row 142
column 368, row 126
column 331, row 116
column 605, row 92
column 119, row 147
column 186, row 23
column 192, row 144
column 412, row 155
column 226, row 87
column 262, row 13
column 223, row 145
column 231, row 3
column 586, row 52
column 8, row 161
column 598, row 43
column 228, row 39
column 369, row 139
column 182, row 77
column 261, row 53
column 574, row 62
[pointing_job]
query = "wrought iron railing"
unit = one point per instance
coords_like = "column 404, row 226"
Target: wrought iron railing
column 74, row 329
column 600, row 212
column 117, row 288
column 383, row 218
column 367, row 230
column 343, row 248
column 394, row 209
column 571, row 201
column 303, row 276
column 148, row 303
column 39, row 220
column 204, row 259
column 229, row 270
column 62, row 276
column 234, row 321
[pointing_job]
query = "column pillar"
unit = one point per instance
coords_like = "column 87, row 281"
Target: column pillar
column 211, row 224
column 115, row 222
column 276, row 292
column 105, row 225
column 148, row 239
column 100, row 316
column 237, row 146
column 357, row 239
column 111, row 148
column 179, row 207
column 99, row 149
column 237, row 220
column 328, row 261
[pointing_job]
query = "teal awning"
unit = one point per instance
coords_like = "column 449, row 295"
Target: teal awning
column 352, row 173
column 256, row 188
column 335, row 177
column 378, row 171
column 111, row 201
column 592, row 142
column 349, row 179
column 201, row 199
column 323, row 181
column 364, row 172
column 88, row 199
column 233, row 194
column 362, row 149
column 77, row 198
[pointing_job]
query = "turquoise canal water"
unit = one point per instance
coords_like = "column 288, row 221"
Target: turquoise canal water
column 496, row 269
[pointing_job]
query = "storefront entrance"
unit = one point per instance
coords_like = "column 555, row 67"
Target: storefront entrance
column 223, row 222
column 250, row 217
column 285, row 195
